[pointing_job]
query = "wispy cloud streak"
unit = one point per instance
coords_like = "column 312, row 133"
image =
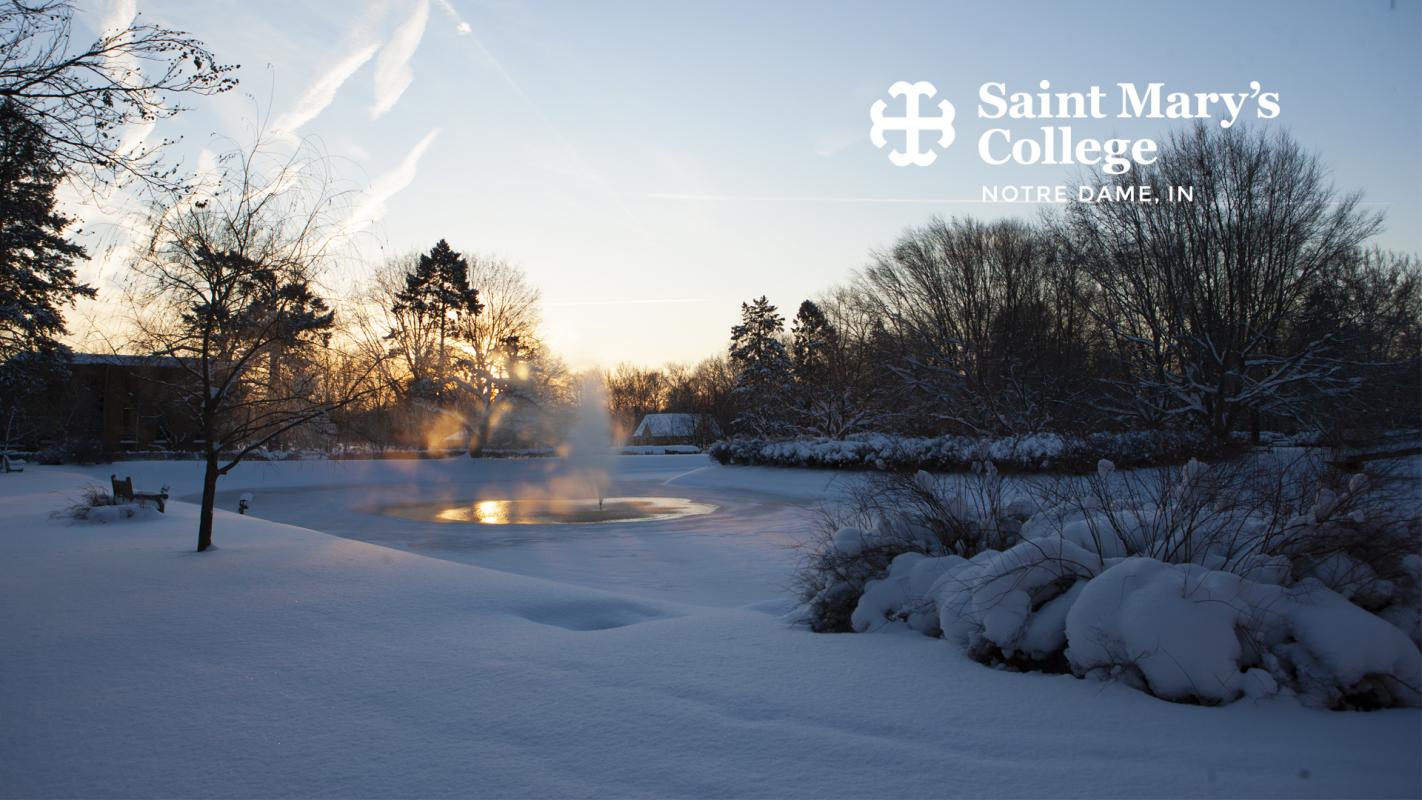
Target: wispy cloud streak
column 370, row 209
column 320, row 94
column 392, row 69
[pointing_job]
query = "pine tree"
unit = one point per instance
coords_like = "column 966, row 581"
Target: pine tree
column 763, row 370
column 438, row 291
column 36, row 270
column 36, row 259
column 812, row 345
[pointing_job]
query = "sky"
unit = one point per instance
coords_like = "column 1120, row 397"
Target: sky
column 651, row 165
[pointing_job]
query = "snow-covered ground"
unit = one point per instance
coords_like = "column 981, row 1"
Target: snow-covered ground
column 401, row 658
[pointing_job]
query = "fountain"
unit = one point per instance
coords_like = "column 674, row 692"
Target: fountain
column 576, row 491
column 586, row 452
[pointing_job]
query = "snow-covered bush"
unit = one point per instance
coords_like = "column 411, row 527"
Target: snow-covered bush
column 1010, row 606
column 96, row 504
column 1197, row 584
column 1038, row 452
column 896, row 515
column 1270, row 521
column 1186, row 633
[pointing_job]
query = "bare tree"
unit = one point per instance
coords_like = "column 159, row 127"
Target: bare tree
column 1197, row 293
column 1367, row 310
column 224, row 285
column 90, row 99
column 500, row 351
column 410, row 337
column 634, row 392
column 972, row 324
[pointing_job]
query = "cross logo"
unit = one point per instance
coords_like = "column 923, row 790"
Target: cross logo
column 911, row 123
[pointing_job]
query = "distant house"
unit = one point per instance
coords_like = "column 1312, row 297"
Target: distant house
column 121, row 403
column 660, row 429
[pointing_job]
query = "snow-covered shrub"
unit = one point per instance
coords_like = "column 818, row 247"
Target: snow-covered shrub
column 1038, row 452
column 1260, row 519
column 904, row 593
column 898, row 514
column 1010, row 606
column 1197, row 584
column 1186, row 633
column 96, row 504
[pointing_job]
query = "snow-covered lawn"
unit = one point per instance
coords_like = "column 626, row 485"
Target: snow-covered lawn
column 617, row 660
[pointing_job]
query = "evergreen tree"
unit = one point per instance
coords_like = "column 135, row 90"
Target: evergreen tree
column 438, row 292
column 812, row 345
column 36, row 270
column 763, row 370
column 36, row 259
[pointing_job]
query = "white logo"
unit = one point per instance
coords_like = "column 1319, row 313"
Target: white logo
column 911, row 123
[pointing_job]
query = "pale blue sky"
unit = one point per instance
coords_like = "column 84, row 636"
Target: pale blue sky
column 652, row 164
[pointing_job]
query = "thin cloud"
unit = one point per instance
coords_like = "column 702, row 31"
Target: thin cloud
column 693, row 196
column 118, row 15
column 320, row 94
column 371, row 208
column 392, row 69
column 829, row 143
column 653, row 302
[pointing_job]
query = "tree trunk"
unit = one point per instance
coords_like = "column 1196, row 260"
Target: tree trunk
column 481, row 436
column 209, row 499
column 439, row 387
column 5, row 448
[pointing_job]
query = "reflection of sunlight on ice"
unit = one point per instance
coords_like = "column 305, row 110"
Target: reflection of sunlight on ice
column 552, row 512
column 487, row 512
column 492, row 512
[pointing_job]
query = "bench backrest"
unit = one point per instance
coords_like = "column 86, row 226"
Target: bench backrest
column 123, row 489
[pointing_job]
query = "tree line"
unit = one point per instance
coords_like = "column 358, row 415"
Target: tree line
column 1259, row 306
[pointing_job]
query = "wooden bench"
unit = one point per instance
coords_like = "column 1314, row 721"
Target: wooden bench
column 123, row 492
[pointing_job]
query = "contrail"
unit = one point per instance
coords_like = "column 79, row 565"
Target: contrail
column 460, row 26
column 387, row 185
column 323, row 91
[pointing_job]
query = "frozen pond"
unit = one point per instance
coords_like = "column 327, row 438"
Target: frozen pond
column 672, row 527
